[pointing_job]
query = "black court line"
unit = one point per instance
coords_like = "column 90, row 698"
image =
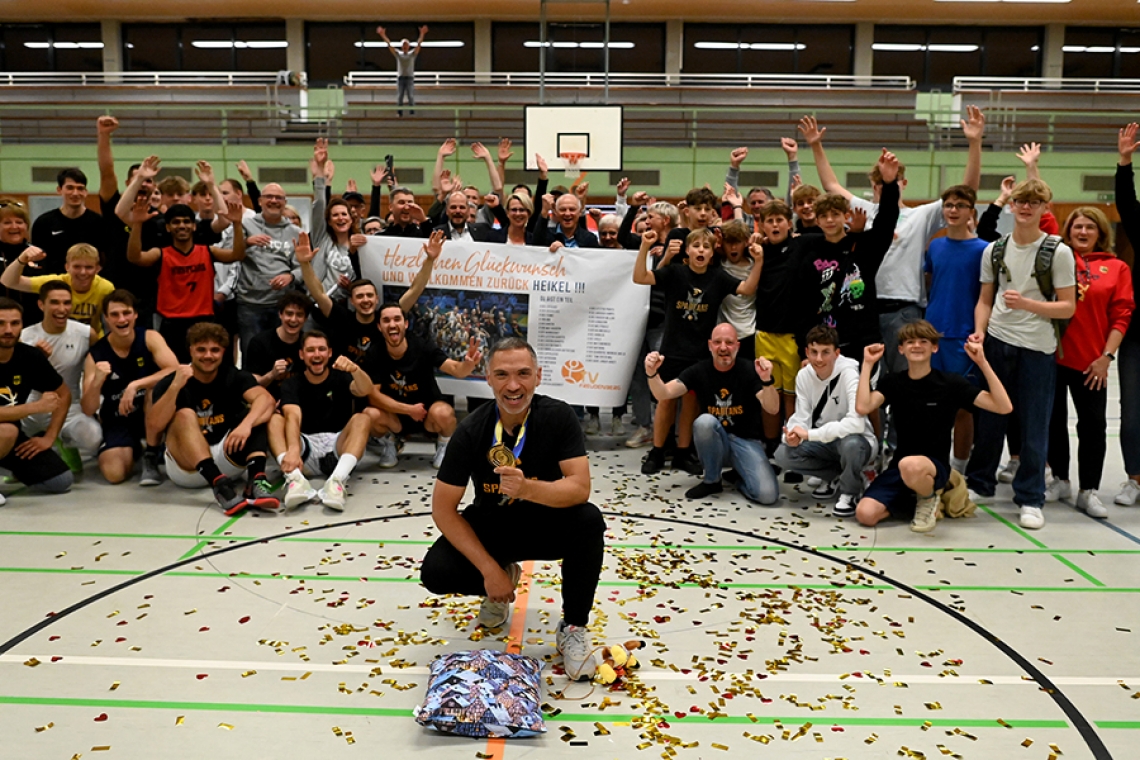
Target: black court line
column 1078, row 720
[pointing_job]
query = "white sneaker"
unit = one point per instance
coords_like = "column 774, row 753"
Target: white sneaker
column 1089, row 502
column 386, row 450
column 1129, row 493
column 591, row 425
column 298, row 490
column 440, row 450
column 616, row 428
column 1058, row 490
column 1032, row 518
column 845, row 505
column 824, row 490
column 1006, row 473
column 813, row 482
column 641, row 437
column 3, row 500
column 925, row 514
column 577, row 653
column 332, row 494
column 495, row 614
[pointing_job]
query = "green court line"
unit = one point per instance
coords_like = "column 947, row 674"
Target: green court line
column 220, row 530
column 601, row 717
column 613, row 584
column 855, row 549
column 1018, row 529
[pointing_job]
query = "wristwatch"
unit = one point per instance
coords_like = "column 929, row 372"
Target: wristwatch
column 1111, row 357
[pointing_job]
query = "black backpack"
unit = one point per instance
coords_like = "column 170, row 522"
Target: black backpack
column 1042, row 272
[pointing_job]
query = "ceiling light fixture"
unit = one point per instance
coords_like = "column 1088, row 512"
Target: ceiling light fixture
column 239, row 44
column 427, row 44
column 750, row 45
column 583, row 45
column 64, row 45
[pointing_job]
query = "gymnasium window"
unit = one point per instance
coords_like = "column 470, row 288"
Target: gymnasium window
column 578, row 48
column 204, row 47
column 51, row 47
column 934, row 55
column 1102, row 53
column 768, row 49
column 334, row 49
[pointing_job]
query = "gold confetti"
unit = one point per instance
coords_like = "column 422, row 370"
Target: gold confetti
column 249, row 673
column 101, row 748
column 41, row 729
column 114, row 686
column 933, row 705
column 1003, row 723
column 226, row 726
column 485, row 756
column 32, row 662
column 180, row 720
column 720, row 747
column 1055, row 748
column 1027, row 743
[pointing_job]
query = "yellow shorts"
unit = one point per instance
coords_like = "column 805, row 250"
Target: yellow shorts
column 781, row 350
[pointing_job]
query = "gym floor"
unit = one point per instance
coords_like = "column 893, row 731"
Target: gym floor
column 143, row 623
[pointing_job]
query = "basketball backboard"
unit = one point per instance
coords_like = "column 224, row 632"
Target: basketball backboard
column 595, row 132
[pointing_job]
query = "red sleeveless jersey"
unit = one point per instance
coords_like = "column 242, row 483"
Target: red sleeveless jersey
column 186, row 283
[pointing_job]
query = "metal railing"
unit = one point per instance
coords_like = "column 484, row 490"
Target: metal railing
column 141, row 78
column 1046, row 84
column 624, row 79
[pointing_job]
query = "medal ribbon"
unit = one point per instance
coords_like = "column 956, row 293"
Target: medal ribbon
column 498, row 440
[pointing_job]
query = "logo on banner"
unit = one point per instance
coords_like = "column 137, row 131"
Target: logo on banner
column 574, row 372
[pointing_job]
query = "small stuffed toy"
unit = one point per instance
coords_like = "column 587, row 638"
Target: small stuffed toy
column 617, row 661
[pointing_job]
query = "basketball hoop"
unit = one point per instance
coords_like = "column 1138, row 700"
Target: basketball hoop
column 570, row 160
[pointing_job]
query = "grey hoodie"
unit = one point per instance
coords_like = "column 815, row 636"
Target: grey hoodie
column 264, row 262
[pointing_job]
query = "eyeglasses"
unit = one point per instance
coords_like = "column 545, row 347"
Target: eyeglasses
column 271, row 197
column 957, row 206
column 1028, row 203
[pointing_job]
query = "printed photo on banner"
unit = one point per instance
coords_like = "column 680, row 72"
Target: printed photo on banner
column 452, row 318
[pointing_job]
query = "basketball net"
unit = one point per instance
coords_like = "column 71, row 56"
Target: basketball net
column 571, row 161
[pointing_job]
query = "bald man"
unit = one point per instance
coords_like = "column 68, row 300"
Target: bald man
column 269, row 266
column 729, row 429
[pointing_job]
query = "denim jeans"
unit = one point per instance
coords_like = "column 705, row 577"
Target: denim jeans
column 1029, row 377
column 1128, row 369
column 716, row 446
column 843, row 458
column 640, row 396
column 252, row 319
column 406, row 90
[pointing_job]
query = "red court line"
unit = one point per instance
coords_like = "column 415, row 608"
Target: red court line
column 496, row 748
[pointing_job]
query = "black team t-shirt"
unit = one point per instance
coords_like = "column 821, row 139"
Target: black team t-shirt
column 326, row 407
column 349, row 336
column 264, row 351
column 220, row 405
column 553, row 435
column 55, row 234
column 923, row 411
column 411, row 378
column 729, row 396
column 692, row 303
column 28, row 370
column 138, row 363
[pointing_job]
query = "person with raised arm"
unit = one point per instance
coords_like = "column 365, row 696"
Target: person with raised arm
column 1129, row 367
column 405, row 67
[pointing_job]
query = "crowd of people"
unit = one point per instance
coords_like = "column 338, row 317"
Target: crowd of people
column 878, row 352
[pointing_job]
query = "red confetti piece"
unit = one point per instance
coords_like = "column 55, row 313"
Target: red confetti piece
column 57, row 658
column 53, row 638
column 121, row 622
column 203, row 629
column 120, row 640
column 100, row 717
column 200, row 676
column 244, row 620
column 837, row 728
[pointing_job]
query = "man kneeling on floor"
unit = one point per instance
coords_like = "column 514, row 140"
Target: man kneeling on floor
column 215, row 416
column 24, row 369
column 924, row 403
column 729, row 429
column 526, row 457
column 317, row 429
column 826, row 437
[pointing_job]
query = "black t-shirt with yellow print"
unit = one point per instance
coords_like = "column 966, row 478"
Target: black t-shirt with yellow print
column 729, row 396
column 220, row 405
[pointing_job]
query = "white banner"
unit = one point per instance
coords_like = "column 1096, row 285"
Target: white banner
column 579, row 308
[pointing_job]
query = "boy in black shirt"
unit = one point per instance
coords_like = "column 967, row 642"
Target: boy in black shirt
column 24, row 369
column 526, row 457
column 924, row 403
column 210, row 430
column 403, row 369
column 318, row 428
column 273, row 354
column 693, row 294
column 730, row 392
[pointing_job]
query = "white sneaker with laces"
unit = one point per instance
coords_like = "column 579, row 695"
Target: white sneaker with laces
column 925, row 514
column 577, row 653
column 1090, row 503
column 298, row 490
column 641, row 437
column 1006, row 473
column 440, row 450
column 495, row 614
column 813, row 481
column 332, row 494
column 1032, row 518
column 616, row 427
column 1129, row 493
column 825, row 490
column 1058, row 490
column 845, row 505
column 386, row 450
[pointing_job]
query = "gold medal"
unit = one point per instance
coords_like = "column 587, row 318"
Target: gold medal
column 501, row 456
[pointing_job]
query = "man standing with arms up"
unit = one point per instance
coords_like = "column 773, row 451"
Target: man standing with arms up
column 526, row 457
column 405, row 67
